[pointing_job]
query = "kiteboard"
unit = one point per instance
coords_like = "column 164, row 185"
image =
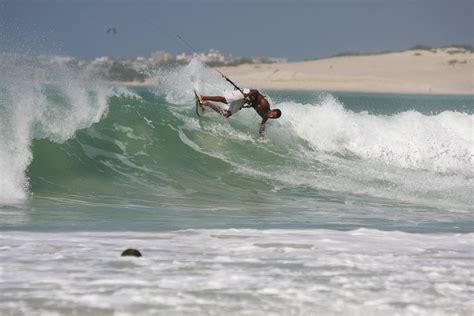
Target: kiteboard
column 199, row 106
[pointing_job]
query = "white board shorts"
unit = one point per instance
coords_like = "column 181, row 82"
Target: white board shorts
column 235, row 99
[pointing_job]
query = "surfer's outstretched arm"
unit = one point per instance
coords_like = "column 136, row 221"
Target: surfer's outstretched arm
column 261, row 132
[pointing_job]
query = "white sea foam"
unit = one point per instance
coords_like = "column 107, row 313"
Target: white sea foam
column 38, row 101
column 235, row 272
column 407, row 156
column 443, row 142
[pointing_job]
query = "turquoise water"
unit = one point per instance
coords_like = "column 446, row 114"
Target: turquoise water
column 329, row 213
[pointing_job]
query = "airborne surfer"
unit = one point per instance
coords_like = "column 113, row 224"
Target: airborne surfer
column 237, row 100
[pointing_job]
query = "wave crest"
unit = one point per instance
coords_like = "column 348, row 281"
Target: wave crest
column 442, row 142
column 40, row 101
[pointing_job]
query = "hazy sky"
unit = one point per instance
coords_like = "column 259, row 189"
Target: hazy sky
column 294, row 29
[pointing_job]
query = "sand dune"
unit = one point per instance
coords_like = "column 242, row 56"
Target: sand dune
column 439, row 71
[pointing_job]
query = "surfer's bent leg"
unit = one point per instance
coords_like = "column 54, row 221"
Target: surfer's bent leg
column 208, row 99
column 213, row 98
column 216, row 108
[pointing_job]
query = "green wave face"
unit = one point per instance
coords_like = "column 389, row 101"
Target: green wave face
column 140, row 148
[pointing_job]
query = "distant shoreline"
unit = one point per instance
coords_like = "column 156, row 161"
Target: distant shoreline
column 441, row 71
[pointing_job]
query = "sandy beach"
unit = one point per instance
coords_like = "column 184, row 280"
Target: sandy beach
column 437, row 71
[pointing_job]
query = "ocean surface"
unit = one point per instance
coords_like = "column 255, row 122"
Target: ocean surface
column 353, row 204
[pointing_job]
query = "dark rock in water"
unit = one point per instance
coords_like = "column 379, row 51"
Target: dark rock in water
column 132, row 253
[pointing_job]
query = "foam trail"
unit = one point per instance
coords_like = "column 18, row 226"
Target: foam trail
column 38, row 101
